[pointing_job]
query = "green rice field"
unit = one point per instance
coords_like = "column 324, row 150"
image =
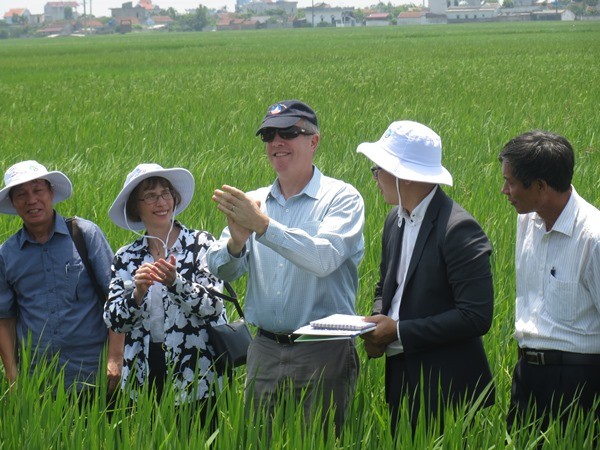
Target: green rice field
column 96, row 107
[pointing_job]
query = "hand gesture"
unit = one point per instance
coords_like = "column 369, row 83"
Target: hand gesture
column 161, row 271
column 244, row 216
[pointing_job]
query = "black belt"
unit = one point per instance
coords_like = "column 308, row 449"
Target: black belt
column 558, row 358
column 277, row 337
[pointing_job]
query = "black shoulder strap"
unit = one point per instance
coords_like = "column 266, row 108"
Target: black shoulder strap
column 79, row 242
column 232, row 297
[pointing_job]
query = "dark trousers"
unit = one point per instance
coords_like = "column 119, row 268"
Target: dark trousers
column 156, row 380
column 158, row 369
column 397, row 387
column 543, row 392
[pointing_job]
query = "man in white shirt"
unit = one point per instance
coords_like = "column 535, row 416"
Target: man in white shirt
column 557, row 323
column 300, row 240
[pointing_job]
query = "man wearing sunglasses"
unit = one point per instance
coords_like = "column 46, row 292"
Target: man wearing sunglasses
column 301, row 241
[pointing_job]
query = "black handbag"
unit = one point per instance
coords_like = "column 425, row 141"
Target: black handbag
column 230, row 341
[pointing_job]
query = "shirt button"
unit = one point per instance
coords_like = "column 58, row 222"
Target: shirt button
column 287, row 210
column 278, row 292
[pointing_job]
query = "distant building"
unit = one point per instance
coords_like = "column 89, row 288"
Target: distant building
column 57, row 11
column 127, row 12
column 16, row 15
column 159, row 22
column 36, row 19
column 438, row 6
column 260, row 7
column 465, row 3
column 323, row 13
column 568, row 15
column 423, row 17
column 378, row 19
column 484, row 13
column 410, row 18
column 227, row 23
column 56, row 28
column 547, row 14
column 523, row 2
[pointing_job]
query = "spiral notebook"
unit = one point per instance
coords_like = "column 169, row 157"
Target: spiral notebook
column 336, row 326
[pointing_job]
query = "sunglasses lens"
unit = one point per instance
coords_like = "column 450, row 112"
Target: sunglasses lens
column 288, row 134
column 268, row 134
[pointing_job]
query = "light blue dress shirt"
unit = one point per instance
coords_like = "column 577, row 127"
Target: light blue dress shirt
column 48, row 289
column 305, row 266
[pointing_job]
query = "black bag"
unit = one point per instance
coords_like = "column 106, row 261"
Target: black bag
column 229, row 340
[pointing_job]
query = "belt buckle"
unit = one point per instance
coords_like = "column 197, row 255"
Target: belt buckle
column 535, row 358
column 283, row 338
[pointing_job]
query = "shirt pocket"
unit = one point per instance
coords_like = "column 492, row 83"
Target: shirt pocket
column 73, row 274
column 562, row 301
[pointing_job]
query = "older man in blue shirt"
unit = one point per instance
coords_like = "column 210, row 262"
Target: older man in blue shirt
column 45, row 290
column 300, row 240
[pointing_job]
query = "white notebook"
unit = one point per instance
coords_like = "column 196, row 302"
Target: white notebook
column 342, row 322
column 336, row 326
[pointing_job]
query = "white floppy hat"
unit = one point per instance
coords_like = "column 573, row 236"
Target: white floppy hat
column 28, row 171
column 409, row 151
column 181, row 179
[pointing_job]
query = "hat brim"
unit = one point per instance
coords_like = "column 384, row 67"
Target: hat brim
column 181, row 179
column 61, row 187
column 278, row 122
column 404, row 170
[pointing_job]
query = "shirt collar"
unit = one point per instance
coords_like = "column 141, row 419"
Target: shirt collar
column 311, row 189
column 59, row 227
column 416, row 217
column 566, row 220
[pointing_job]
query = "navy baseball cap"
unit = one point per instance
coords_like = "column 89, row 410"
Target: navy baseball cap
column 287, row 113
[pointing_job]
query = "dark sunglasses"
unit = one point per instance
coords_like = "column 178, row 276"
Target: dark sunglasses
column 375, row 171
column 268, row 134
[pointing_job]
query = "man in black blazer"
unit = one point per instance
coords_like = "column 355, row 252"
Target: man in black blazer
column 434, row 299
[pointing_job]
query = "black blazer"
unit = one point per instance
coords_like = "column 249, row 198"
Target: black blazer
column 447, row 303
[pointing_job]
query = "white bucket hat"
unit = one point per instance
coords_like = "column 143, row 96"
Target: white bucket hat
column 28, row 171
column 181, row 179
column 409, row 151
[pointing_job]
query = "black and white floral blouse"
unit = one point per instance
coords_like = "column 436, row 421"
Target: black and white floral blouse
column 188, row 308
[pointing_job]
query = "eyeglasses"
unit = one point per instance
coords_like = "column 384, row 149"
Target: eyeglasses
column 268, row 134
column 151, row 199
column 375, row 171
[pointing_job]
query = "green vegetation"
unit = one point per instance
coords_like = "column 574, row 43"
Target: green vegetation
column 96, row 107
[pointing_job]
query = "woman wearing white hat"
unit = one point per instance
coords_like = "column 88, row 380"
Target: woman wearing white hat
column 160, row 289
